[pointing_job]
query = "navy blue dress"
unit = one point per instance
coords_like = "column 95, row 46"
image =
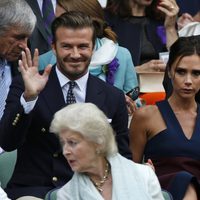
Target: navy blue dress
column 176, row 158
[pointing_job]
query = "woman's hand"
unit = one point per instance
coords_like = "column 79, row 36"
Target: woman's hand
column 131, row 105
column 33, row 81
column 150, row 164
column 170, row 9
column 183, row 20
column 151, row 66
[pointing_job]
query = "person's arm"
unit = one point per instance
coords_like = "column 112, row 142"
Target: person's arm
column 130, row 82
column 15, row 122
column 139, row 133
column 197, row 17
column 170, row 9
column 183, row 20
column 120, row 125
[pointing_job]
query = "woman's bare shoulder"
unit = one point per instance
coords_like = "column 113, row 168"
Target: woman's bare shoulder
column 145, row 111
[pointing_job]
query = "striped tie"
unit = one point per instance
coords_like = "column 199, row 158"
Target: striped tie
column 3, row 89
column 48, row 17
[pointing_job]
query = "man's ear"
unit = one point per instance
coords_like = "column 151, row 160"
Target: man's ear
column 53, row 47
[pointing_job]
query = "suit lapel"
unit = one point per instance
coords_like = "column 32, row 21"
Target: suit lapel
column 95, row 93
column 40, row 24
column 14, row 68
column 52, row 93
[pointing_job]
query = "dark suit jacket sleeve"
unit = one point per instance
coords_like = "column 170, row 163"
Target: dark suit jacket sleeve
column 14, row 123
column 120, row 123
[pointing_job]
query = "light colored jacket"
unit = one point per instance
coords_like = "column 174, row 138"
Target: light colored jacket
column 129, row 181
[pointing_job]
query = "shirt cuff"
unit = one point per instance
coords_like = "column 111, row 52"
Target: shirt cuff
column 28, row 106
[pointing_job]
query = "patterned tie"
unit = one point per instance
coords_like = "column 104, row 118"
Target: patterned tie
column 70, row 95
column 48, row 17
column 3, row 89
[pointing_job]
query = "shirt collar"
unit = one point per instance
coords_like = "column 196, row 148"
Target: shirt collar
column 3, row 62
column 81, row 82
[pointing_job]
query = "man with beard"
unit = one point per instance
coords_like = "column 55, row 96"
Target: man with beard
column 16, row 25
column 35, row 97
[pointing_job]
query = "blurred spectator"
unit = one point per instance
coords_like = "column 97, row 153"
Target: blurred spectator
column 16, row 24
column 41, row 37
column 186, row 18
column 139, row 27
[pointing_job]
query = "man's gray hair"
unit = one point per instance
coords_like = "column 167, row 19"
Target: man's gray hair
column 88, row 120
column 16, row 13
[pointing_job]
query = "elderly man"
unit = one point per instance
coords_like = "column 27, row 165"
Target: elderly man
column 35, row 97
column 16, row 24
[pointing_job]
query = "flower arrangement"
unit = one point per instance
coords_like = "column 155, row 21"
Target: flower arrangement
column 110, row 69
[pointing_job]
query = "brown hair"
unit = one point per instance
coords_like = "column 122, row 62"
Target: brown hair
column 184, row 46
column 74, row 20
column 119, row 7
column 95, row 11
column 122, row 8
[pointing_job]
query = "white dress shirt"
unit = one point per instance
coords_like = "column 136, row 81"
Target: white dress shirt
column 41, row 1
column 79, row 90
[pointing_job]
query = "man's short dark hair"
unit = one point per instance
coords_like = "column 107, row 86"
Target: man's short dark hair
column 73, row 20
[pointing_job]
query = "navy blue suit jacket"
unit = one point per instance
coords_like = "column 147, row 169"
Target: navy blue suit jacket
column 40, row 164
column 38, row 38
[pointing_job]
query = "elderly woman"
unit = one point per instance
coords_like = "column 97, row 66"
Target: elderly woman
column 100, row 172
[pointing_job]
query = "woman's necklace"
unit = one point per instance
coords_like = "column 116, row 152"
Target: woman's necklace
column 99, row 184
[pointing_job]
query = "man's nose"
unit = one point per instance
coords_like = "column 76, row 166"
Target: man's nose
column 75, row 53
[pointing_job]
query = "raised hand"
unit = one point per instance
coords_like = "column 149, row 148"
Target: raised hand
column 34, row 82
column 184, row 19
column 170, row 9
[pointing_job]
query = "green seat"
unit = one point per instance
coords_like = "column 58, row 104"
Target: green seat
column 7, row 164
column 167, row 195
column 51, row 195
